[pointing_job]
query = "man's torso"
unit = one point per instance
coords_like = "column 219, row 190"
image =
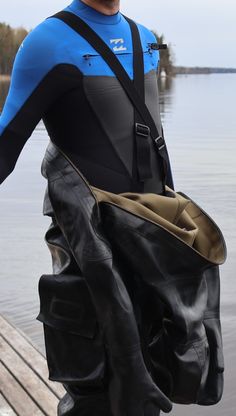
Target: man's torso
column 59, row 77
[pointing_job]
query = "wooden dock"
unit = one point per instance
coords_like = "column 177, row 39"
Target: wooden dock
column 24, row 386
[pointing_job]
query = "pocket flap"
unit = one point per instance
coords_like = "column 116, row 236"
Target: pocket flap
column 66, row 304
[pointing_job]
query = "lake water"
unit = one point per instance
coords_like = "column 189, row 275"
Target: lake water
column 199, row 121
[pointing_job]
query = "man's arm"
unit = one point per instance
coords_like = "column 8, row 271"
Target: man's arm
column 32, row 91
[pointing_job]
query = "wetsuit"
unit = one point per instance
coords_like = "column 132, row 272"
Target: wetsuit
column 59, row 77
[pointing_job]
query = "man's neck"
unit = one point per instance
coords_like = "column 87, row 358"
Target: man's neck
column 108, row 7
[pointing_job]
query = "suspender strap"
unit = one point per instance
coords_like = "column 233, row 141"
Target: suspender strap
column 142, row 156
column 81, row 27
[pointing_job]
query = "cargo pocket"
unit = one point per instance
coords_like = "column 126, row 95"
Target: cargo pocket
column 190, row 369
column 180, row 368
column 73, row 340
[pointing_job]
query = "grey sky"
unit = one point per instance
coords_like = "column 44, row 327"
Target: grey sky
column 202, row 32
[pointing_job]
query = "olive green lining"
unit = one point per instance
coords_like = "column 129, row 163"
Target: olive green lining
column 178, row 215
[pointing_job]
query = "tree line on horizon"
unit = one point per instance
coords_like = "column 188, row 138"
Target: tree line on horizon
column 11, row 39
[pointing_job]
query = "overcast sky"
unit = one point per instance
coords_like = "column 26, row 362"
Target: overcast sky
column 202, row 32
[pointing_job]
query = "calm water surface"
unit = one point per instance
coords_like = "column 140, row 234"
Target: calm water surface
column 198, row 114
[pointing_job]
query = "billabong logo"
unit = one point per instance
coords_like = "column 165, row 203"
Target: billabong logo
column 119, row 42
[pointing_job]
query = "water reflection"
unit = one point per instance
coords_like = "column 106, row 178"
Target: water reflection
column 165, row 86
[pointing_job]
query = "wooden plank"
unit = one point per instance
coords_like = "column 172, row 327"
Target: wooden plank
column 5, row 409
column 16, row 395
column 29, row 353
column 26, row 377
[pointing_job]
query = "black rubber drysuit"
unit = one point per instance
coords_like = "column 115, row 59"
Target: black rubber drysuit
column 131, row 314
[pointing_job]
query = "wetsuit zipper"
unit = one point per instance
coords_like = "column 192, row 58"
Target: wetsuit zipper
column 90, row 55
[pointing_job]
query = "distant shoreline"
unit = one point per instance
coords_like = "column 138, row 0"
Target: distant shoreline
column 202, row 70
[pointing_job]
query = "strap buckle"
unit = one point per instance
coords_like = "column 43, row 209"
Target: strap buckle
column 160, row 142
column 142, row 130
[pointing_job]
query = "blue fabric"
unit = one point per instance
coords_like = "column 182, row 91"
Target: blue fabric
column 52, row 42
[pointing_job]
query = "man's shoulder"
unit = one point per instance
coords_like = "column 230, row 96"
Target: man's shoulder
column 42, row 44
column 146, row 32
column 147, row 37
column 42, row 37
column 36, row 46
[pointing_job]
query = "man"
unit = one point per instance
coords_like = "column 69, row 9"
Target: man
column 59, row 77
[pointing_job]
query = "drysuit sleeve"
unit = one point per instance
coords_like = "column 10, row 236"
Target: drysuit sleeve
column 32, row 90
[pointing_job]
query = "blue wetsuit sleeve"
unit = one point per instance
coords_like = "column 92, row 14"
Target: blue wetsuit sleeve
column 30, row 94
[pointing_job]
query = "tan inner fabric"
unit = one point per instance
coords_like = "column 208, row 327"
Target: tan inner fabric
column 178, row 215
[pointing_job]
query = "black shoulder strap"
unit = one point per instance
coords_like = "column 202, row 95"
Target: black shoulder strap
column 81, row 27
column 142, row 153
